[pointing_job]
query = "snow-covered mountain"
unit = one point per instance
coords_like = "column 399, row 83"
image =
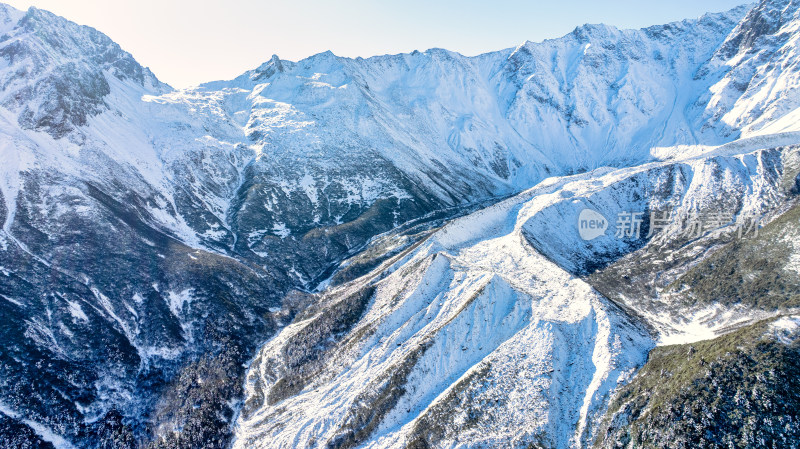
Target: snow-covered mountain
column 155, row 238
column 481, row 337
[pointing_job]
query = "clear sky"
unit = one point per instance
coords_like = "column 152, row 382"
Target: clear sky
column 187, row 42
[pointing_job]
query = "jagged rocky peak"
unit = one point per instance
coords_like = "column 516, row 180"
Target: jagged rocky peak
column 56, row 70
column 762, row 21
column 268, row 69
column 49, row 39
column 9, row 16
column 593, row 31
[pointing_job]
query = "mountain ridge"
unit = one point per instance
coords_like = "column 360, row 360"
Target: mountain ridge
column 152, row 236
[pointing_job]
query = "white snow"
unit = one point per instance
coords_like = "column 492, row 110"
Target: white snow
column 792, row 241
column 281, row 230
column 460, row 129
column 137, row 298
column 786, row 329
column 12, row 301
column 16, row 158
column 692, row 325
column 76, row 311
column 44, row 432
column 481, row 297
column 178, row 302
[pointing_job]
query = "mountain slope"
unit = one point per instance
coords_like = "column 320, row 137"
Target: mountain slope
column 462, row 341
column 448, row 324
column 151, row 236
column 736, row 390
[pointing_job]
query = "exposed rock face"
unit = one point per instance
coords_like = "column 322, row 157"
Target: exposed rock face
column 56, row 74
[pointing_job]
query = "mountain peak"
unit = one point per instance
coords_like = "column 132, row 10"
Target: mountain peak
column 591, row 31
column 326, row 55
column 267, row 69
column 765, row 19
column 69, row 63
column 9, row 16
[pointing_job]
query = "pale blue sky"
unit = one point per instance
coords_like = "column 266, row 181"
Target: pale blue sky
column 188, row 42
